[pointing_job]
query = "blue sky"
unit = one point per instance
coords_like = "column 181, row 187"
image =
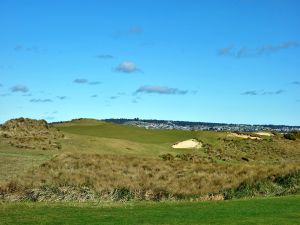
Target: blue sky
column 232, row 61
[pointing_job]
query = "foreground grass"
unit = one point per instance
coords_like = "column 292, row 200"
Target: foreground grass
column 283, row 210
column 14, row 161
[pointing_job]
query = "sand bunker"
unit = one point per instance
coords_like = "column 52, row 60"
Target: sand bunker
column 245, row 136
column 264, row 134
column 192, row 143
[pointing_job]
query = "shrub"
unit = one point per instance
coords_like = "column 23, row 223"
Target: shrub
column 290, row 136
column 121, row 194
column 296, row 133
column 272, row 186
column 167, row 157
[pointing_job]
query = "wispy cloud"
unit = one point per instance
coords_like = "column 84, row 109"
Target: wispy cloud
column 61, row 97
column 136, row 99
column 225, row 51
column 39, row 100
column 27, row 95
column 80, row 81
column 95, row 82
column 296, row 82
column 104, row 56
column 278, row 92
column 20, row 88
column 113, row 97
column 258, row 51
column 127, row 67
column 160, row 90
column 134, row 30
column 4, row 67
column 86, row 81
column 262, row 92
column 249, row 93
column 22, row 48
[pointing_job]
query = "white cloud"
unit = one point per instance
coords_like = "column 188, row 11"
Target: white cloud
column 127, row 67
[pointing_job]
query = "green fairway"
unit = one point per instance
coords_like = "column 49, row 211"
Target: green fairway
column 131, row 133
column 283, row 210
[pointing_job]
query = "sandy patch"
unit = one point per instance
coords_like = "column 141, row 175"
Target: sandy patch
column 264, row 134
column 192, row 143
column 245, row 136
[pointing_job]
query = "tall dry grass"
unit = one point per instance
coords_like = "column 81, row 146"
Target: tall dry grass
column 104, row 174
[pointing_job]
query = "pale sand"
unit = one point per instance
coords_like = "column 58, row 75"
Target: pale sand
column 191, row 143
column 264, row 134
column 243, row 136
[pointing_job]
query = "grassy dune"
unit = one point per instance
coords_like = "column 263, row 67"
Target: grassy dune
column 284, row 210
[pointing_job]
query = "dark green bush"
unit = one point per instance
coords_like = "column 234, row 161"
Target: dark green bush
column 296, row 133
column 293, row 135
column 167, row 157
column 290, row 136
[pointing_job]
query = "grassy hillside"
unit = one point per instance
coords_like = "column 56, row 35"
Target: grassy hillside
column 284, row 210
column 130, row 133
column 108, row 137
column 105, row 161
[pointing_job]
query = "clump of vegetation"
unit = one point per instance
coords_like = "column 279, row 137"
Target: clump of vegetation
column 31, row 134
column 293, row 135
column 185, row 157
column 167, row 157
column 272, row 186
column 290, row 136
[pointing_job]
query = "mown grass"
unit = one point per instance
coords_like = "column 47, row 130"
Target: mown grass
column 284, row 210
column 131, row 133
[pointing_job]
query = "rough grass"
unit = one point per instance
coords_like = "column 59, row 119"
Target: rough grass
column 272, row 186
column 284, row 210
column 127, row 178
column 15, row 162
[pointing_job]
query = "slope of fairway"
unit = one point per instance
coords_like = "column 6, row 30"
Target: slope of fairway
column 131, row 133
column 283, row 210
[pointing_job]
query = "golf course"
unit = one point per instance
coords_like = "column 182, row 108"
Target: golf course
column 95, row 172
